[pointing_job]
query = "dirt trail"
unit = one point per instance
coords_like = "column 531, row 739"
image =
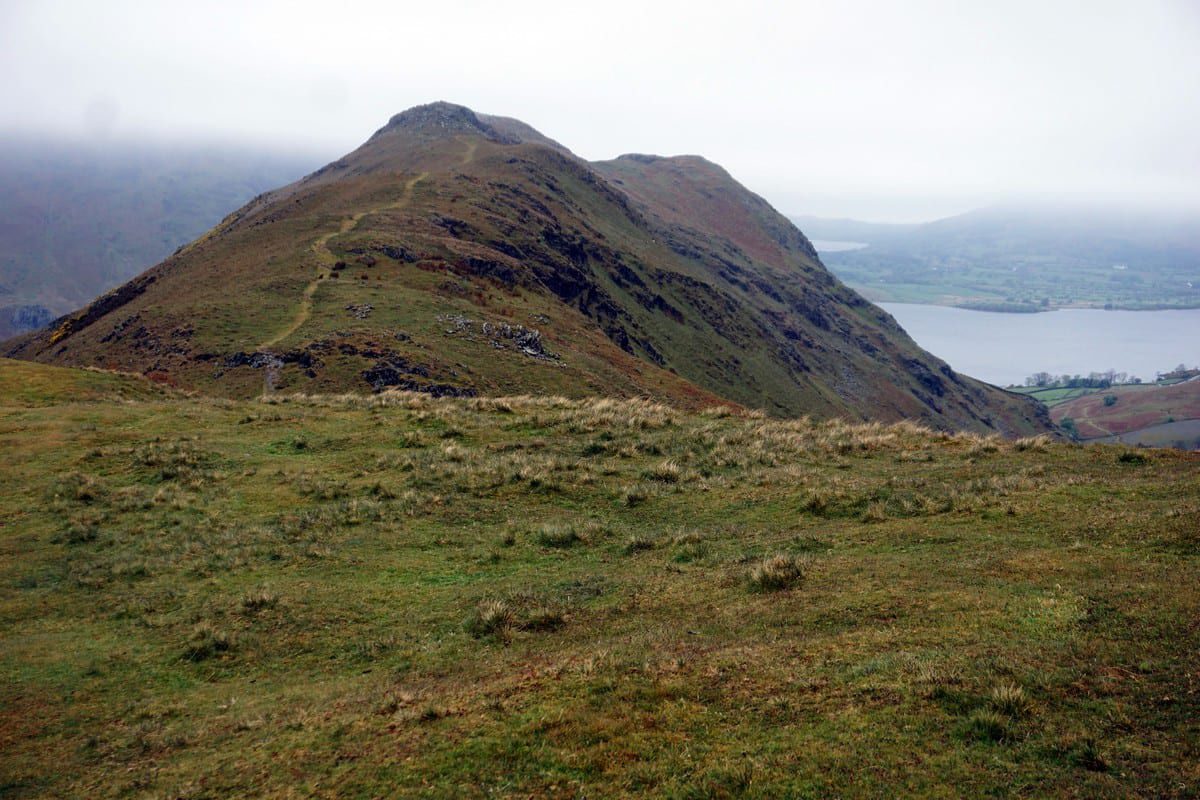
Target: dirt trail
column 469, row 156
column 1085, row 418
column 320, row 249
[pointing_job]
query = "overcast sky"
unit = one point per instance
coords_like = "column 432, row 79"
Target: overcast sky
column 878, row 110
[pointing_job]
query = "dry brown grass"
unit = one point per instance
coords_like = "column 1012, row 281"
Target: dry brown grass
column 490, row 618
column 776, row 573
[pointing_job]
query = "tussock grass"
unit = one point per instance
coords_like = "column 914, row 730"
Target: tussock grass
column 638, row 543
column 664, row 472
column 984, row 445
column 689, row 546
column 490, row 618
column 207, row 641
column 876, row 512
column 559, row 536
column 934, row 679
column 81, row 530
column 987, row 725
column 499, row 618
column 634, row 496
column 543, row 618
column 416, row 606
column 1131, row 457
column 1036, row 444
column 77, row 488
column 258, row 600
column 1010, row 699
column 776, row 573
column 1086, row 754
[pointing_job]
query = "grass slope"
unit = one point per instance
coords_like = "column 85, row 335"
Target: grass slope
column 1053, row 395
column 23, row 384
column 406, row 596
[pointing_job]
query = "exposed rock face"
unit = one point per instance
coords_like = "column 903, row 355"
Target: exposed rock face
column 102, row 306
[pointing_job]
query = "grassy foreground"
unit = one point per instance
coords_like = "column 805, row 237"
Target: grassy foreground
column 398, row 595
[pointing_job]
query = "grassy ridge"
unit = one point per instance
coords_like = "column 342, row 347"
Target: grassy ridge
column 26, row 384
column 345, row 596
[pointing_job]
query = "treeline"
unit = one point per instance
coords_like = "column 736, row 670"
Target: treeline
column 1103, row 380
column 1094, row 380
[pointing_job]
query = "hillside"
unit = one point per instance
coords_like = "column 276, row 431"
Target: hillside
column 23, row 384
column 1024, row 258
column 399, row 595
column 77, row 219
column 1136, row 409
column 460, row 255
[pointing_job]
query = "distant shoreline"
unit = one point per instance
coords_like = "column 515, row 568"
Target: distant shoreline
column 1020, row 308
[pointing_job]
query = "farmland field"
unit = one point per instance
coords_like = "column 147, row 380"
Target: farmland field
column 1136, row 407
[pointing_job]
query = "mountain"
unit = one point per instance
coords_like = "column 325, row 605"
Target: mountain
column 79, row 219
column 460, row 254
column 1024, row 258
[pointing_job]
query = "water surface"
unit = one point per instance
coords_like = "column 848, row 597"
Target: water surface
column 832, row 246
column 1005, row 348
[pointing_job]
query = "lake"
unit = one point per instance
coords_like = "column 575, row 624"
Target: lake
column 1006, row 348
column 831, row 246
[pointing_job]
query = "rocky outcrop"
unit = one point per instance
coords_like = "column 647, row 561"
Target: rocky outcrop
column 441, row 118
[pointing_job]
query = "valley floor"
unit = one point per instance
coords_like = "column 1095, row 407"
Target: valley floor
column 396, row 595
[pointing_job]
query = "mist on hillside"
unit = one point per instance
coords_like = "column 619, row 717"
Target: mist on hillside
column 872, row 111
column 78, row 218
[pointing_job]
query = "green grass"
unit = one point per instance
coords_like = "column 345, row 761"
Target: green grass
column 552, row 598
column 1053, row 396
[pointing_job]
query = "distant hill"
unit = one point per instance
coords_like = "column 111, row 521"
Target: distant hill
column 78, row 219
column 455, row 254
column 17, row 318
column 1023, row 259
